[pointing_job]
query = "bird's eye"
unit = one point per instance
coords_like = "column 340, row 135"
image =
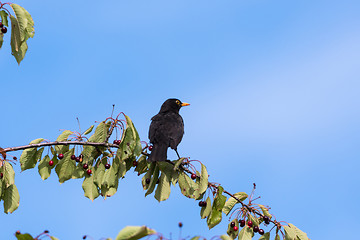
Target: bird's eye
column 178, row 102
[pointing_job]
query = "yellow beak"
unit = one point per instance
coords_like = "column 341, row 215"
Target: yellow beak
column 185, row 104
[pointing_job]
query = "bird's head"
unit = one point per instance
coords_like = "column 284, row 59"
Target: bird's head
column 173, row 105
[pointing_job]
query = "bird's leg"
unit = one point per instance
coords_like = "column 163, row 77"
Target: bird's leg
column 177, row 153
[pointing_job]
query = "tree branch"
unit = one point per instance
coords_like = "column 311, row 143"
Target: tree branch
column 46, row 144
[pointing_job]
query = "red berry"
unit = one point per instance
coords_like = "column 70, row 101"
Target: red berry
column 15, row 158
column 46, row 231
column 150, row 148
column 235, row 228
column 242, row 223
column 4, row 30
column 193, row 176
column 232, row 224
column 1, row 25
column 85, row 166
column 89, row 171
column 51, row 162
column 261, row 232
column 17, row 232
column 147, row 181
column 256, row 228
column 73, row 157
column 117, row 142
column 107, row 166
column 200, row 203
column 180, row 224
column 135, row 163
column 77, row 159
column 250, row 223
column 1, row 175
column 61, row 156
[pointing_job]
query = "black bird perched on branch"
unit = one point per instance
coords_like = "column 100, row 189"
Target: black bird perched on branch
column 166, row 130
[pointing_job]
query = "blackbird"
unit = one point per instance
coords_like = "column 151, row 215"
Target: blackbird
column 166, row 130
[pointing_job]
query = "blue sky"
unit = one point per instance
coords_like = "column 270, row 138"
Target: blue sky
column 274, row 90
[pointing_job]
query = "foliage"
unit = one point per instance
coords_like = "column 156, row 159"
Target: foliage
column 101, row 165
column 22, row 28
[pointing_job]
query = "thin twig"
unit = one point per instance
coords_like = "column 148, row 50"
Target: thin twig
column 45, row 144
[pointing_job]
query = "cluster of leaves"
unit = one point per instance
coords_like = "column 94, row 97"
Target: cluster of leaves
column 22, row 28
column 127, row 233
column 108, row 166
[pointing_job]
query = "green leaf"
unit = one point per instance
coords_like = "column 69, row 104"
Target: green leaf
column 11, row 199
column 219, row 200
column 9, row 174
column 187, row 185
column 266, row 236
column 25, row 20
column 36, row 141
column 78, row 172
column 214, row 218
column 89, row 130
column 230, row 231
column 63, row 137
column 134, row 232
column 110, row 178
column 153, row 180
column 203, row 183
column 277, row 237
column 17, row 49
column 148, row 176
column 225, row 237
column 195, row 238
column 246, row 233
column 290, row 233
column 65, row 168
column 99, row 173
column 136, row 146
column 205, row 211
column 142, row 165
column 44, row 168
column 54, row 238
column 265, row 210
column 91, row 191
column 230, row 203
column 4, row 18
column 24, row 236
column 2, row 187
column 90, row 153
column 300, row 234
column 1, row 39
column 163, row 189
column 28, row 159
column 178, row 163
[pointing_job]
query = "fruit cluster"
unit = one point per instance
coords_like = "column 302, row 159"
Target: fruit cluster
column 117, row 142
column 250, row 225
column 3, row 28
column 202, row 204
column 79, row 159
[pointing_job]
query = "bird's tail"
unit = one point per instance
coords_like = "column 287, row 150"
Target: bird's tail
column 158, row 153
